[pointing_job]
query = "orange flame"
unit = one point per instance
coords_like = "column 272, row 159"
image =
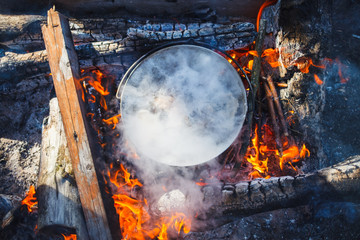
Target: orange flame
column 135, row 221
column 304, row 63
column 30, row 199
column 318, row 80
column 112, row 121
column 261, row 150
column 97, row 82
column 94, row 78
column 272, row 57
column 263, row 6
column 70, row 237
column 340, row 65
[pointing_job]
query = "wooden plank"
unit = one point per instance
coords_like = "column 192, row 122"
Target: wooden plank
column 57, row 193
column 65, row 72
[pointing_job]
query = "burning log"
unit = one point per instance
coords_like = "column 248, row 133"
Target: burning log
column 58, row 196
column 340, row 181
column 65, row 72
column 255, row 76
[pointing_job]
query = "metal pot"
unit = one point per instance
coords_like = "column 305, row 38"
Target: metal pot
column 182, row 105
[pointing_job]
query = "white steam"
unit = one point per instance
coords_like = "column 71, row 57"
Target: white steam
column 182, row 106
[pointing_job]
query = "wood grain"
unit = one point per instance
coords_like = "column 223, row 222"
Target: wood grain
column 65, row 72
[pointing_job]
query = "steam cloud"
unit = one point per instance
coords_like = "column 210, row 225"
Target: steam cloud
column 183, row 106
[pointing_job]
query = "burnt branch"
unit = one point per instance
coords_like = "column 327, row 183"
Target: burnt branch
column 277, row 105
column 338, row 182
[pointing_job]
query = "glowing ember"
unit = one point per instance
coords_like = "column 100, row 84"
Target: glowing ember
column 318, row 80
column 272, row 57
column 112, row 121
column 70, row 237
column 30, row 199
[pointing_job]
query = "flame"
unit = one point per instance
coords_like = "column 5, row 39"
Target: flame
column 135, row 221
column 112, row 121
column 304, row 64
column 261, row 150
column 250, row 64
column 263, row 6
column 272, row 57
column 96, row 79
column 70, row 237
column 318, row 80
column 30, row 199
column 96, row 82
column 340, row 66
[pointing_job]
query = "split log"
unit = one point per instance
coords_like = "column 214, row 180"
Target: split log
column 57, row 194
column 65, row 71
column 338, row 182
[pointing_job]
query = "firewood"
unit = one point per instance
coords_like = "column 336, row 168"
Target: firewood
column 270, row 99
column 337, row 182
column 255, row 76
column 277, row 105
column 65, row 71
column 57, row 193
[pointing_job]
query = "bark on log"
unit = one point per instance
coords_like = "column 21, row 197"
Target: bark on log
column 338, row 182
column 58, row 197
column 65, row 71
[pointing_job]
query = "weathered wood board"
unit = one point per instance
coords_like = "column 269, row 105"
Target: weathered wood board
column 65, row 72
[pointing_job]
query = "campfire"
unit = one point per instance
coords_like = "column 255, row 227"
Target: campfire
column 285, row 167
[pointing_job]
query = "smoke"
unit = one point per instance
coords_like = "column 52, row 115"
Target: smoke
column 183, row 106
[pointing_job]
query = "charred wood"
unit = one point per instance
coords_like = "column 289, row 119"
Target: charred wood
column 339, row 182
column 99, row 46
column 58, row 197
column 255, row 76
column 277, row 105
column 270, row 101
